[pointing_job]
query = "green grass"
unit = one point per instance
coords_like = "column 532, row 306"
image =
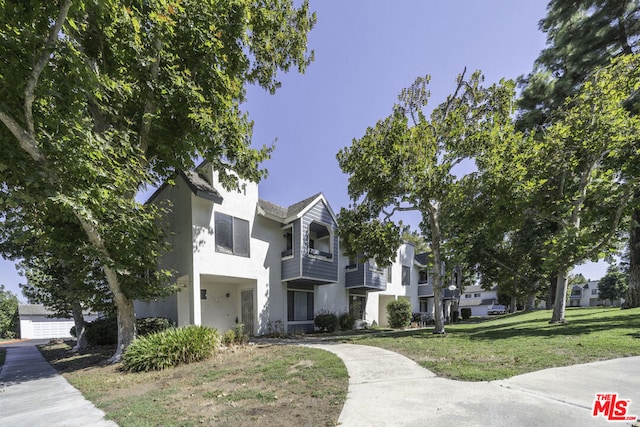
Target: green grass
column 246, row 386
column 519, row 343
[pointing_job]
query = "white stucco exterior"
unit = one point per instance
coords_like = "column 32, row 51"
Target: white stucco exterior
column 219, row 288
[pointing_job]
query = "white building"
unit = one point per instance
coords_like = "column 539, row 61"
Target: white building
column 38, row 322
column 587, row 295
column 241, row 259
column 479, row 300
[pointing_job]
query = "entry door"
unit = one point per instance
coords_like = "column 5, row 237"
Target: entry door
column 247, row 310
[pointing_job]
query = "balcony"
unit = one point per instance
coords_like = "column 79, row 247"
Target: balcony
column 365, row 277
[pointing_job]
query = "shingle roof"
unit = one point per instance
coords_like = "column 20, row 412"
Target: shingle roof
column 38, row 310
column 284, row 213
column 200, row 186
column 423, row 258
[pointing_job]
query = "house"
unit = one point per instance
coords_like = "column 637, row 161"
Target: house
column 38, row 322
column 587, row 295
column 241, row 259
column 479, row 300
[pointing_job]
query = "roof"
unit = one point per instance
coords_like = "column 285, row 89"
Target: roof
column 39, row 310
column 284, row 215
column 201, row 187
column 197, row 183
column 422, row 259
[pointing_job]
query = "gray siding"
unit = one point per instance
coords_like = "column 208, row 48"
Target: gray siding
column 425, row 290
column 291, row 267
column 366, row 277
column 317, row 268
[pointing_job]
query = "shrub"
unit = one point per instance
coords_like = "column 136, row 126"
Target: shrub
column 150, row 325
column 399, row 313
column 466, row 313
column 229, row 337
column 241, row 336
column 326, row 322
column 170, row 348
column 346, row 321
column 102, row 331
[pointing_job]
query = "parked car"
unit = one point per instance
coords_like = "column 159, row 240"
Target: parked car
column 497, row 309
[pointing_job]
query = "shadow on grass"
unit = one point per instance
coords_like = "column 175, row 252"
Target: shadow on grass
column 64, row 360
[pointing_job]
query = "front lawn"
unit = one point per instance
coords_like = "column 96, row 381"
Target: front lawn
column 519, row 343
column 243, row 386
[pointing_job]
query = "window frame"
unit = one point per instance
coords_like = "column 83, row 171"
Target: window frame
column 311, row 243
column 288, row 253
column 234, row 222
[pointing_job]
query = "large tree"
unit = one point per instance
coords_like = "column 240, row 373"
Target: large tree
column 407, row 162
column 582, row 36
column 574, row 172
column 8, row 313
column 100, row 98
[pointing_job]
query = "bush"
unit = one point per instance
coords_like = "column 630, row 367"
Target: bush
column 399, row 313
column 150, row 325
column 104, row 331
column 466, row 313
column 229, row 337
column 346, row 321
column 326, row 322
column 170, row 348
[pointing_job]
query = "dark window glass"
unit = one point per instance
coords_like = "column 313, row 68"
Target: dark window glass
column 406, row 276
column 224, row 233
column 240, row 237
column 299, row 306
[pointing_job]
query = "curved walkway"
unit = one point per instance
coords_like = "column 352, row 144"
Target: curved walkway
column 388, row 389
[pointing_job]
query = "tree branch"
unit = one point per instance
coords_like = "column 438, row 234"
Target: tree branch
column 25, row 140
column 29, row 95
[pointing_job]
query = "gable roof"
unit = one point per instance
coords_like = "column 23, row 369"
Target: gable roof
column 39, row 310
column 297, row 210
column 201, row 187
column 422, row 260
column 196, row 183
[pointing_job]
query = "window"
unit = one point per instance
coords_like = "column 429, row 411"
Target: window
column 352, row 264
column 423, row 277
column 288, row 242
column 374, row 266
column 594, row 292
column 320, row 240
column 477, row 295
column 406, row 276
column 357, row 304
column 299, row 306
column 389, row 273
column 232, row 235
column 467, row 295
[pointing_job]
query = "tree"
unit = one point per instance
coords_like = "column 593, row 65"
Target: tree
column 8, row 313
column 582, row 36
column 406, row 163
column 613, row 285
column 574, row 173
column 101, row 98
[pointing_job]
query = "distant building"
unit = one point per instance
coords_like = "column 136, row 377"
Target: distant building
column 479, row 300
column 38, row 322
column 587, row 295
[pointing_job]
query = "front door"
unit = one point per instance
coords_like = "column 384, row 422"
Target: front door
column 246, row 300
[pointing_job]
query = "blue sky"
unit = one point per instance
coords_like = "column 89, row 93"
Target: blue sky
column 366, row 51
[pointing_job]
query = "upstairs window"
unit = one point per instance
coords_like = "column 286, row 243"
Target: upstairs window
column 232, row 235
column 320, row 240
column 389, row 274
column 352, row 264
column 406, row 275
column 288, row 242
column 423, row 278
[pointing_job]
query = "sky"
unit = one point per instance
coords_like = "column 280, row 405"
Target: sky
column 366, row 51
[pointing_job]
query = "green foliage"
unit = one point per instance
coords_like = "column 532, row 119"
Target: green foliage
column 346, row 321
column 613, row 285
column 150, row 325
column 102, row 331
column 399, row 313
column 326, row 322
column 8, row 314
column 170, row 348
column 235, row 335
column 466, row 313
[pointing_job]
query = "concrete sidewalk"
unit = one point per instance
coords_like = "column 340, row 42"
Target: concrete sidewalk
column 32, row 393
column 387, row 389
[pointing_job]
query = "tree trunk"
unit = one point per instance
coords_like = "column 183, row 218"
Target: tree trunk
column 79, row 323
column 551, row 296
column 561, row 297
column 438, row 274
column 530, row 302
column 514, row 304
column 633, row 294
